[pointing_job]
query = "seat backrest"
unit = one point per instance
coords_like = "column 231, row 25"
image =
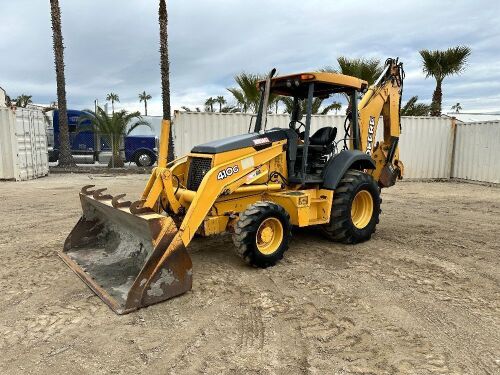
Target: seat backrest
column 323, row 136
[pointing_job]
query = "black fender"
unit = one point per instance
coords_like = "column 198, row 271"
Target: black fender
column 339, row 164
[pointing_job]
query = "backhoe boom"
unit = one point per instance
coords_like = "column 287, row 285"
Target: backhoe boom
column 383, row 99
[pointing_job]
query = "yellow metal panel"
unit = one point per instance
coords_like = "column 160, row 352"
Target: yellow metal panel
column 329, row 78
column 163, row 151
column 214, row 225
column 305, row 207
column 293, row 202
column 224, row 157
column 179, row 169
column 235, row 203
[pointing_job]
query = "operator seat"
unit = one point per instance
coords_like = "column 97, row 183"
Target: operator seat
column 323, row 136
column 321, row 144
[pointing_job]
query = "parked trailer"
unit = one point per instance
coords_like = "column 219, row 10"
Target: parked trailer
column 87, row 147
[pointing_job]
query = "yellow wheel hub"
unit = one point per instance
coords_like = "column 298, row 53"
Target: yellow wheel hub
column 269, row 235
column 362, row 209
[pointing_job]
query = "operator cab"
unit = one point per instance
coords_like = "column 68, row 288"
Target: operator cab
column 308, row 154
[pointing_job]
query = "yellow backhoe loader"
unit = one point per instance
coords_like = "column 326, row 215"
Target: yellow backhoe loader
column 255, row 186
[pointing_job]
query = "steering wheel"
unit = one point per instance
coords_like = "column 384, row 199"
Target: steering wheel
column 301, row 125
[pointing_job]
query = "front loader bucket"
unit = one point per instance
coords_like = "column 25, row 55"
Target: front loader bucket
column 130, row 257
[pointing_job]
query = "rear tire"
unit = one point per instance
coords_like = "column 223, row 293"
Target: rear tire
column 355, row 209
column 262, row 234
column 144, row 159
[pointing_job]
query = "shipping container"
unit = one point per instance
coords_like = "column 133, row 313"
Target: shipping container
column 3, row 98
column 426, row 146
column 426, row 143
column 23, row 144
column 477, row 148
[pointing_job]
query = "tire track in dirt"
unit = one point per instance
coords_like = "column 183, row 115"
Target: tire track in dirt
column 420, row 298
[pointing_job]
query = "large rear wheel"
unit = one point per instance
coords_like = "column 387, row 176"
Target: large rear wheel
column 355, row 209
column 262, row 234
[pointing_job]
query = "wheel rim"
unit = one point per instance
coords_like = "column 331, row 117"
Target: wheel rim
column 269, row 235
column 144, row 159
column 362, row 209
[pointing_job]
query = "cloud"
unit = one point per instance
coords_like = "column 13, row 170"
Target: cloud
column 113, row 45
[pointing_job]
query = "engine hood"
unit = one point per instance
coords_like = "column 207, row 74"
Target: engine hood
column 241, row 141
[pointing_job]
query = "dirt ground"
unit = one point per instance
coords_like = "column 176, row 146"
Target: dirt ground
column 422, row 297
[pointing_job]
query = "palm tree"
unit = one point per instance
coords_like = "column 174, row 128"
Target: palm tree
column 209, row 104
column 247, row 95
column 457, row 108
column 165, row 72
column 335, row 106
column 315, row 108
column 441, row 64
column 220, row 99
column 229, row 109
column 65, row 157
column 113, row 128
column 412, row 108
column 112, row 97
column 23, row 100
column 143, row 97
column 366, row 69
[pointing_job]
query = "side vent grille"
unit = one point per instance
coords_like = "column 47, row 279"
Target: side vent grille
column 198, row 168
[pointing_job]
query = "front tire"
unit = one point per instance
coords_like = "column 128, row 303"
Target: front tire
column 355, row 209
column 262, row 234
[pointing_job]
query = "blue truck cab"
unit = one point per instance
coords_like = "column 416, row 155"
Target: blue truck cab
column 87, row 147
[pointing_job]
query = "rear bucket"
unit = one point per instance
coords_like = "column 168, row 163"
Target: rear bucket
column 130, row 260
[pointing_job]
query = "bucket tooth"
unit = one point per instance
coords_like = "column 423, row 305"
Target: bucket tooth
column 115, row 202
column 85, row 190
column 137, row 208
column 99, row 196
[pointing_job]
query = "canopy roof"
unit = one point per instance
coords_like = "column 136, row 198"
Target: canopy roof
column 325, row 84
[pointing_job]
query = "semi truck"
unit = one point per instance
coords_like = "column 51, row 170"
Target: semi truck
column 87, row 147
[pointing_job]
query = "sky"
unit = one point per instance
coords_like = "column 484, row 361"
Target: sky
column 112, row 46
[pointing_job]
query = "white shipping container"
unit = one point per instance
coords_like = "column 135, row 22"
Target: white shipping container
column 194, row 128
column 425, row 143
column 425, row 147
column 3, row 102
column 23, row 144
column 477, row 150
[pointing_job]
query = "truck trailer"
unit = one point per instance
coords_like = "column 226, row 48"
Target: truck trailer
column 87, row 147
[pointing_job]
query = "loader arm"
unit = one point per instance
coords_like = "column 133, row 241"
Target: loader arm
column 211, row 187
column 383, row 98
column 208, row 192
